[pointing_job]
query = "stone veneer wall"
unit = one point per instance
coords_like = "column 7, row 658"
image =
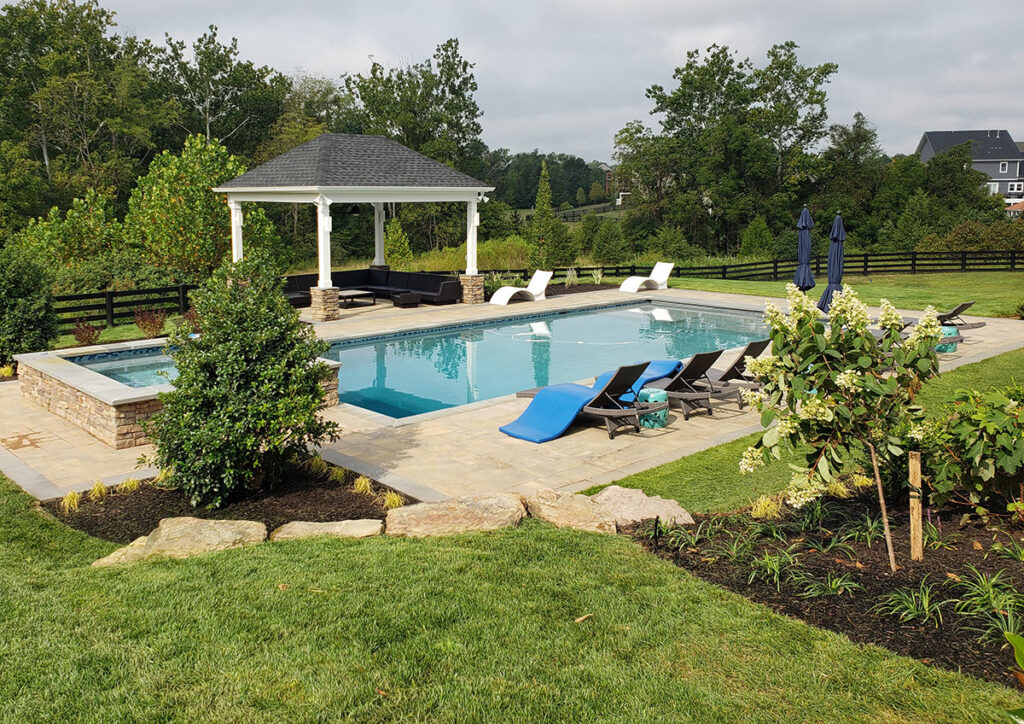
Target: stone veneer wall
column 115, row 425
column 472, row 288
column 323, row 303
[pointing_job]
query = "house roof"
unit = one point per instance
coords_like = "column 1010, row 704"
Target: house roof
column 338, row 160
column 1019, row 206
column 991, row 145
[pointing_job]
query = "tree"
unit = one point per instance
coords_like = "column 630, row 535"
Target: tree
column 585, row 233
column 246, row 399
column 596, row 192
column 221, row 96
column 178, row 223
column 551, row 242
column 610, row 244
column 21, row 187
column 28, row 322
column 497, row 220
column 396, row 246
column 757, row 239
column 581, row 196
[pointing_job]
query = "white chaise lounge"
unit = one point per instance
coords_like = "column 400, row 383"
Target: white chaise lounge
column 657, row 280
column 533, row 292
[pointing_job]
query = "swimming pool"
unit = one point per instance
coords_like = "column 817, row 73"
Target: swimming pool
column 415, row 373
column 411, row 373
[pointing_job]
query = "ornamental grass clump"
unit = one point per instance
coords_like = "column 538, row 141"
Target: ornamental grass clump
column 831, row 388
column 246, row 399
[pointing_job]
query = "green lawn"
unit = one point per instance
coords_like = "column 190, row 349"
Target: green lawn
column 466, row 628
column 710, row 480
column 117, row 333
column 997, row 293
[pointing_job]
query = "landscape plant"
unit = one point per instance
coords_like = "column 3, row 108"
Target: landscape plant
column 397, row 253
column 150, row 321
column 28, row 322
column 86, row 334
column 836, row 392
column 246, row 399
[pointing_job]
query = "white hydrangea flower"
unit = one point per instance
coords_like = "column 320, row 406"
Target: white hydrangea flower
column 787, row 426
column 849, row 310
column 762, row 367
column 927, row 328
column 775, row 319
column 848, row 380
column 755, row 398
column 803, row 489
column 815, row 409
column 916, row 433
column 751, row 460
column 889, row 318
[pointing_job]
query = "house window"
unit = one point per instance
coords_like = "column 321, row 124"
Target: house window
column 993, row 189
column 1015, row 187
column 1004, row 166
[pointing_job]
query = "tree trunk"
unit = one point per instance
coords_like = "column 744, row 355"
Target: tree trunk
column 885, row 514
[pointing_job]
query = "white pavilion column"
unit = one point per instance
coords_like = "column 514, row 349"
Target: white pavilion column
column 472, row 281
column 378, row 236
column 236, row 229
column 324, row 296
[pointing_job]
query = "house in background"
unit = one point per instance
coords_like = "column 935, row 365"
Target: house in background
column 992, row 152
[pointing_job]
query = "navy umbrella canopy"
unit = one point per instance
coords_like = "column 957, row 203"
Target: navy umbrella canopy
column 803, row 277
column 835, row 263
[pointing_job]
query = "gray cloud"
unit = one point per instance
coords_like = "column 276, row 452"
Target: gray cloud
column 565, row 75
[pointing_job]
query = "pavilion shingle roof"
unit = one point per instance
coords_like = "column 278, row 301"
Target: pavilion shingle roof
column 344, row 159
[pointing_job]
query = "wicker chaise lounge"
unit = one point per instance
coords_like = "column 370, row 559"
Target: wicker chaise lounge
column 736, row 373
column 693, row 389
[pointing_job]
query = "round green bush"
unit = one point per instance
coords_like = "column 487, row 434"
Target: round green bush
column 28, row 322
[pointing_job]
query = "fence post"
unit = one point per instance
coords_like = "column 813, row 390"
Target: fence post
column 108, row 300
column 775, row 270
column 866, row 257
column 963, row 260
column 632, row 270
column 913, row 262
column 817, row 265
column 1013, row 259
column 725, row 271
column 182, row 299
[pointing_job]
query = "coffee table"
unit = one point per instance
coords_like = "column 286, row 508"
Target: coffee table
column 345, row 296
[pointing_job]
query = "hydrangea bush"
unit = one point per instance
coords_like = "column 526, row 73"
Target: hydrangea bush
column 832, row 387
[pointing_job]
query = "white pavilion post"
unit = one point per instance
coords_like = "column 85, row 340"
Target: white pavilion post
column 324, row 296
column 378, row 237
column 235, row 207
column 472, row 282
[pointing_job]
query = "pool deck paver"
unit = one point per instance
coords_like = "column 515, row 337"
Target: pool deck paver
column 454, row 452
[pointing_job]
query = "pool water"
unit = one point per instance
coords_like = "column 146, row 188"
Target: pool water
column 412, row 374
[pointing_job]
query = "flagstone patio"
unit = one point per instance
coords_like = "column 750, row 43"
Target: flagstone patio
column 451, row 452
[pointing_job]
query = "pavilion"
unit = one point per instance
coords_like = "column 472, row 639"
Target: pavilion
column 341, row 168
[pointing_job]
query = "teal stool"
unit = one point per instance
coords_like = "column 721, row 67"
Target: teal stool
column 653, row 419
column 949, row 346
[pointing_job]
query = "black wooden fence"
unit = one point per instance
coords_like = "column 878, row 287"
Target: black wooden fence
column 115, row 306
column 112, row 307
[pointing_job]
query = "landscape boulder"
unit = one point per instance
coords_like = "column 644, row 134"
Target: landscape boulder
column 183, row 537
column 483, row 511
column 567, row 510
column 630, row 506
column 130, row 553
column 363, row 528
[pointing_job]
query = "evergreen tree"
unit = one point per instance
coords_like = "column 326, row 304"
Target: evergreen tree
column 610, row 244
column 757, row 238
column 581, row 196
column 397, row 253
column 585, row 232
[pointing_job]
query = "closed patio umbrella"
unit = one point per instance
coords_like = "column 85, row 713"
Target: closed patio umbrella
column 835, row 263
column 803, row 277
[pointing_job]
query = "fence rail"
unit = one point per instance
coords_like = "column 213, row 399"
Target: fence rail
column 114, row 306
column 110, row 307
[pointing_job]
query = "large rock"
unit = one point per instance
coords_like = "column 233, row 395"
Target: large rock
column 183, row 537
column 131, row 553
column 630, row 506
column 484, row 511
column 338, row 529
column 566, row 510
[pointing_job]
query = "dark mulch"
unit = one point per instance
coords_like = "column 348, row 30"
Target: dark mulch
column 556, row 290
column 951, row 645
column 123, row 517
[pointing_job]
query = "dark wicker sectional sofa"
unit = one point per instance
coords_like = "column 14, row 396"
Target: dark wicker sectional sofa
column 433, row 288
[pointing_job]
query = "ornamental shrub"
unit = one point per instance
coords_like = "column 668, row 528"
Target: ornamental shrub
column 28, row 322
column 86, row 334
column 757, row 239
column 246, row 398
column 835, row 390
column 610, row 244
column 975, row 451
column 150, row 321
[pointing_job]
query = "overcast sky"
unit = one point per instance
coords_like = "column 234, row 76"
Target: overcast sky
column 565, row 75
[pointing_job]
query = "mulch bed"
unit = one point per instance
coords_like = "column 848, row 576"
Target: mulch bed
column 123, row 517
column 952, row 645
column 556, row 289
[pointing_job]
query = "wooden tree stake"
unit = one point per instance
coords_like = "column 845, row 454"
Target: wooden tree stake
column 916, row 524
column 885, row 514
